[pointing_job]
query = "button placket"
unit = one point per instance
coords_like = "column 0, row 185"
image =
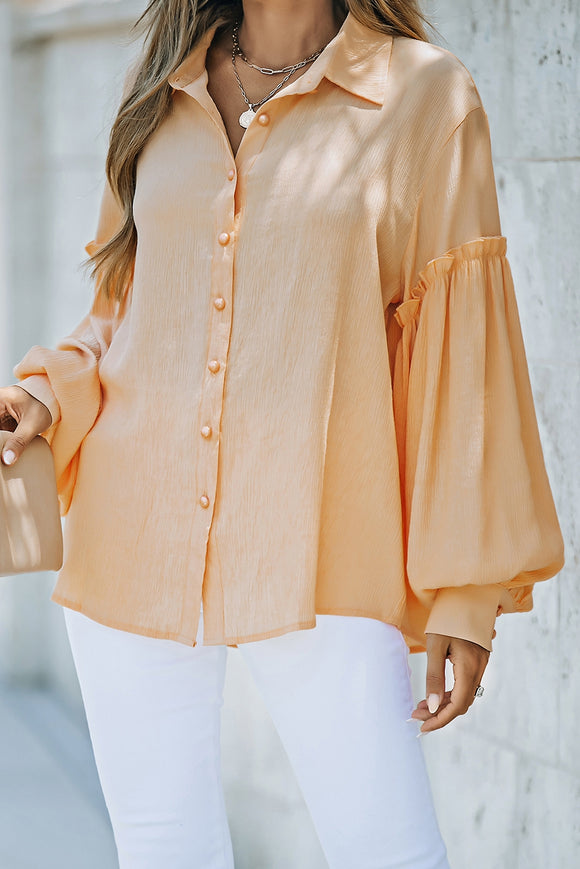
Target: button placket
column 211, row 401
column 216, row 364
column 228, row 204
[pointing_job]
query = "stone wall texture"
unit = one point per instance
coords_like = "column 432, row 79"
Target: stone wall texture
column 506, row 776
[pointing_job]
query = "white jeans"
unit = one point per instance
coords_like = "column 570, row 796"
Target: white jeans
column 339, row 695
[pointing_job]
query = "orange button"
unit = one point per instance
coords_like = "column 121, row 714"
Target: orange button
column 206, row 431
column 204, row 501
column 214, row 366
column 219, row 303
column 223, row 237
column 231, row 174
column 264, row 119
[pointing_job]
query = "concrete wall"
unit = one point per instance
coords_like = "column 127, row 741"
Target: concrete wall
column 506, row 777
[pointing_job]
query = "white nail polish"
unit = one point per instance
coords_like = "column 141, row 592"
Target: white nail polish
column 8, row 457
column 421, row 733
column 433, row 703
column 411, row 719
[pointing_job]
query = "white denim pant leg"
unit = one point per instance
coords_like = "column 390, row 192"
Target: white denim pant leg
column 153, row 708
column 339, row 695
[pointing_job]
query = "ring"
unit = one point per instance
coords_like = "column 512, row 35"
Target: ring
column 479, row 691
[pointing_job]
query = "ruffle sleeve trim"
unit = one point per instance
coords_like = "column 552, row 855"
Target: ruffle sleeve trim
column 438, row 268
column 93, row 247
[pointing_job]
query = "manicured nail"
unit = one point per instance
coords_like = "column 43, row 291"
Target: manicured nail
column 9, row 457
column 433, row 703
column 411, row 719
column 421, row 733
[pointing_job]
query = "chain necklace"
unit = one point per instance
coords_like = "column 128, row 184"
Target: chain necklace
column 266, row 70
column 246, row 117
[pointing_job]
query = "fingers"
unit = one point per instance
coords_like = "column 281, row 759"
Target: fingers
column 421, row 712
column 438, row 647
column 469, row 662
column 31, row 415
column 15, row 445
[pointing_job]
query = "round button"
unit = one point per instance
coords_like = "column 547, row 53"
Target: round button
column 264, row 119
column 206, row 431
column 219, row 303
column 223, row 237
column 204, row 501
column 231, row 174
column 214, row 366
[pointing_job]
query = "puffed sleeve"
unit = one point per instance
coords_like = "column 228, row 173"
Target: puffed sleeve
column 66, row 379
column 480, row 522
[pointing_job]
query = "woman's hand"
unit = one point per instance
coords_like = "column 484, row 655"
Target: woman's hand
column 25, row 416
column 469, row 662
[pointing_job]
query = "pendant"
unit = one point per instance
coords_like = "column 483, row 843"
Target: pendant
column 246, row 118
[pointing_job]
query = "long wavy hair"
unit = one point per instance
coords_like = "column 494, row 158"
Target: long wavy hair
column 171, row 29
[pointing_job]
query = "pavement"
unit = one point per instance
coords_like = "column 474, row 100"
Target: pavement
column 52, row 813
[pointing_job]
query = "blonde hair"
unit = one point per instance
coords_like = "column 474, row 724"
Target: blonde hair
column 171, row 29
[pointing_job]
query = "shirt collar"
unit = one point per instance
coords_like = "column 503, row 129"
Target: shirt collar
column 356, row 59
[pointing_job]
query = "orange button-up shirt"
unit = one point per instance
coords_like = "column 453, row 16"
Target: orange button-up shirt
column 316, row 398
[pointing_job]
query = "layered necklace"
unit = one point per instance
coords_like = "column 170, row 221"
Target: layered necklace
column 246, row 117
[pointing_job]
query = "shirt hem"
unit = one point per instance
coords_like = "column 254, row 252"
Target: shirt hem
column 119, row 625
column 263, row 635
column 231, row 641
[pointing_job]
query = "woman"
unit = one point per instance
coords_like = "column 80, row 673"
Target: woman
column 297, row 419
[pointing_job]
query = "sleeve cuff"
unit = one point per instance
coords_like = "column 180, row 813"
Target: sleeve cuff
column 468, row 612
column 39, row 387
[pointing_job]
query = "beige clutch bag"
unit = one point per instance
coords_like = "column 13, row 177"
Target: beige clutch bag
column 30, row 526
